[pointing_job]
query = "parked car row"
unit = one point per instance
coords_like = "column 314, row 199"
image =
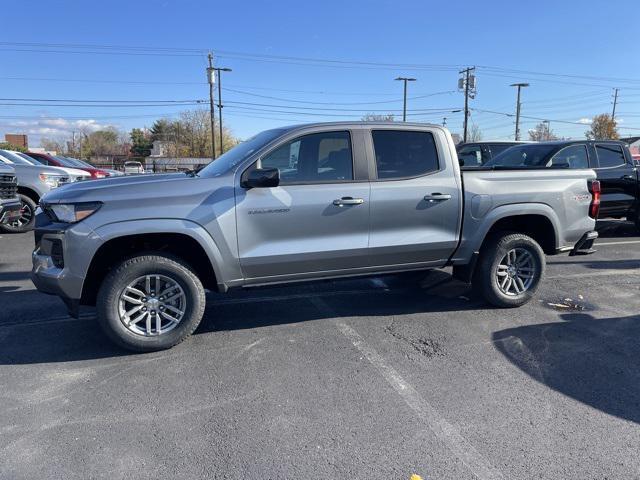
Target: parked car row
column 612, row 161
column 37, row 174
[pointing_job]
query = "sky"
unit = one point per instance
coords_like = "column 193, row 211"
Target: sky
column 86, row 66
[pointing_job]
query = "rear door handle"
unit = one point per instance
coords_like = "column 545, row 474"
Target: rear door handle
column 341, row 202
column 437, row 197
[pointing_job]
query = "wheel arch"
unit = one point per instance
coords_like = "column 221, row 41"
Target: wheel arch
column 193, row 245
column 32, row 194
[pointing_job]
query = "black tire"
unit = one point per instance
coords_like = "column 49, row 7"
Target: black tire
column 27, row 220
column 114, row 284
column 637, row 221
column 487, row 280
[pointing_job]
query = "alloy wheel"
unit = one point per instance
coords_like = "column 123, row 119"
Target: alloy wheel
column 152, row 305
column 516, row 272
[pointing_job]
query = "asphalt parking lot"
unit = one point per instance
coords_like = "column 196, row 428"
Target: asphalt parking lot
column 368, row 379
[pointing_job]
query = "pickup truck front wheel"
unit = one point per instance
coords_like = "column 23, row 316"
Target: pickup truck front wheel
column 150, row 302
column 26, row 220
column 510, row 269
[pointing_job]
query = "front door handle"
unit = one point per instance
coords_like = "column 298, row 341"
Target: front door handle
column 437, row 197
column 341, row 202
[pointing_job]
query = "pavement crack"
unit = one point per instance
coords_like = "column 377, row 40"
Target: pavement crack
column 427, row 347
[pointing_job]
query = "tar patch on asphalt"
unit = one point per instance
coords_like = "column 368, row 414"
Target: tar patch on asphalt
column 568, row 304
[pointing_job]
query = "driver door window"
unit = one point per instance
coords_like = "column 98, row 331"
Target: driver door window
column 316, row 158
column 574, row 156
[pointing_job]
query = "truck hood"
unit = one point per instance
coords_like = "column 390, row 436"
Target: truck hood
column 151, row 197
column 122, row 187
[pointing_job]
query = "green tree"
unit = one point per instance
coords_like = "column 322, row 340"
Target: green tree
column 140, row 142
column 603, row 127
column 11, row 146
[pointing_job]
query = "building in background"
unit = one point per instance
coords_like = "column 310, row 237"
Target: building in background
column 17, row 139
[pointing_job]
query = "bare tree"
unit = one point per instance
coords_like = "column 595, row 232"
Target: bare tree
column 372, row 117
column 542, row 133
column 475, row 134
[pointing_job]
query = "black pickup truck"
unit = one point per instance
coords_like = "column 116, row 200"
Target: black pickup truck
column 612, row 161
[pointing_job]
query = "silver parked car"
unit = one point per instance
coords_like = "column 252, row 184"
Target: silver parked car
column 303, row 203
column 34, row 180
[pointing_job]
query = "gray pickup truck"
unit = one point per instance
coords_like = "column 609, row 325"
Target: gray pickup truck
column 302, row 203
column 10, row 205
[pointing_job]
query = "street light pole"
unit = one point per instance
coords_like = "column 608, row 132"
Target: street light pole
column 211, row 78
column 404, row 102
column 519, row 85
column 219, row 70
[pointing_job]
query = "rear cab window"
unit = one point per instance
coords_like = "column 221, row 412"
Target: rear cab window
column 610, row 155
column 470, row 155
column 403, row 154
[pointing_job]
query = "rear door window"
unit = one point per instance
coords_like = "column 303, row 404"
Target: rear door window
column 404, row 154
column 610, row 155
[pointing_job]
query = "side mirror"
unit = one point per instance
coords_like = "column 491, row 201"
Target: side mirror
column 261, row 178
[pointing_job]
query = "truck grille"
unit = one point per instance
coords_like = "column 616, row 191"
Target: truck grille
column 8, row 186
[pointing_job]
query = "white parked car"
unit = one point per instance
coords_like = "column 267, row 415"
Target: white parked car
column 133, row 168
column 75, row 174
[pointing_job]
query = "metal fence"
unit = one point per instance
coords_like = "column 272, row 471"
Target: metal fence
column 158, row 165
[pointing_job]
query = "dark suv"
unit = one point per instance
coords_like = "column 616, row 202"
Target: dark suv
column 611, row 160
column 474, row 154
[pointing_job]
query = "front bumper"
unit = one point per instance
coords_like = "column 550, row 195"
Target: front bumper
column 10, row 211
column 585, row 244
column 50, row 275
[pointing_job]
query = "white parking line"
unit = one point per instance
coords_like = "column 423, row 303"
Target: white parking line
column 443, row 430
column 625, row 242
column 446, row 433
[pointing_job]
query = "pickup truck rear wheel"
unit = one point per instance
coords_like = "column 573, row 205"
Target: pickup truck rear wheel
column 510, row 269
column 150, row 302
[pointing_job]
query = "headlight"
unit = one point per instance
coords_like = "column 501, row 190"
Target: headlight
column 101, row 175
column 73, row 212
column 53, row 180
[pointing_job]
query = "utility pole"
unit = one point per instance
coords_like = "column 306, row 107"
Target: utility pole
column 468, row 82
column 211, row 78
column 519, row 85
column 73, row 141
column 219, row 70
column 615, row 102
column 404, row 102
column 444, row 121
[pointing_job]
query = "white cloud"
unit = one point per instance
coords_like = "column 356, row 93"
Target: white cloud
column 54, row 126
column 585, row 121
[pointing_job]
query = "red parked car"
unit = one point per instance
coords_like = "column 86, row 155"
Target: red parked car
column 52, row 161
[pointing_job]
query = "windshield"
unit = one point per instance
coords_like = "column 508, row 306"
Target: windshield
column 76, row 162
column 65, row 161
column 240, row 152
column 530, row 155
column 15, row 158
column 31, row 160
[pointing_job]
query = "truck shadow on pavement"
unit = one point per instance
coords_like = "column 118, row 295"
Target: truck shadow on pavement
column 616, row 229
column 30, row 336
column 594, row 361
